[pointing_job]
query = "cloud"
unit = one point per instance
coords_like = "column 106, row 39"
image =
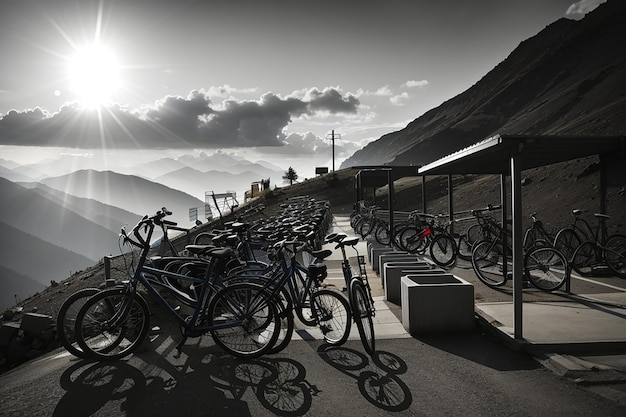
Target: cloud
column 582, row 7
column 418, row 84
column 399, row 99
column 177, row 122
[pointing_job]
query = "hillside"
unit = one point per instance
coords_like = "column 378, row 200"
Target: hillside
column 37, row 260
column 16, row 287
column 36, row 215
column 128, row 192
column 568, row 79
column 102, row 214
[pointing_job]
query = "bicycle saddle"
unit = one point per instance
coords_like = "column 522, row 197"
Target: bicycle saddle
column 321, row 254
column 335, row 237
column 348, row 241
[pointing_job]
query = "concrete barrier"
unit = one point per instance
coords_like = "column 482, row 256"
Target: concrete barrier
column 375, row 254
column 393, row 275
column 394, row 257
column 433, row 303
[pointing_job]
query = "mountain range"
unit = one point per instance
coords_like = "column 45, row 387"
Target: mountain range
column 568, row 79
column 69, row 221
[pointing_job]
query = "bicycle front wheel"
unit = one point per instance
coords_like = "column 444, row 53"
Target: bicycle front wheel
column 585, row 258
column 244, row 320
column 546, row 268
column 66, row 320
column 488, row 262
column 362, row 312
column 110, row 326
column 443, row 250
column 464, row 249
column 332, row 313
column 615, row 254
column 566, row 241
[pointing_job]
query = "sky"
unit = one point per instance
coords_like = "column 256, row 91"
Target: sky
column 262, row 79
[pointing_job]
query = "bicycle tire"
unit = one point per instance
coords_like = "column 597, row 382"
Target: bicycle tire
column 362, row 314
column 287, row 325
column 615, row 254
column 464, row 249
column 411, row 241
column 260, row 320
column 585, row 259
column 566, row 241
column 66, row 320
column 102, row 341
column 486, row 259
column 474, row 234
column 443, row 250
column 332, row 313
column 382, row 234
column 547, row 269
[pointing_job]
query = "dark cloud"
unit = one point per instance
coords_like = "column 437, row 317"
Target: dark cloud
column 332, row 101
column 174, row 122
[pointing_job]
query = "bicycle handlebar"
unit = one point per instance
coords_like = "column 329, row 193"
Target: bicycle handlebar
column 147, row 222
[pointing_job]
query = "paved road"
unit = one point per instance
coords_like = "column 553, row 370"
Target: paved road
column 468, row 374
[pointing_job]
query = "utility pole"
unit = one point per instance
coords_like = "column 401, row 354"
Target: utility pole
column 333, row 136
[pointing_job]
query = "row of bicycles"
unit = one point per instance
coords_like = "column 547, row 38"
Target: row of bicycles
column 549, row 258
column 243, row 285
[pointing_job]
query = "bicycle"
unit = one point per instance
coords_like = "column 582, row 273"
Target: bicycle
column 536, row 235
column 242, row 317
column 314, row 306
column 359, row 291
column 545, row 268
column 599, row 251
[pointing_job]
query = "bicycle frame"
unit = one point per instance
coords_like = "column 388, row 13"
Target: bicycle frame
column 209, row 285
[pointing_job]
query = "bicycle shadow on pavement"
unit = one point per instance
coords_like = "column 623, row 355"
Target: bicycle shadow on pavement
column 196, row 382
column 378, row 379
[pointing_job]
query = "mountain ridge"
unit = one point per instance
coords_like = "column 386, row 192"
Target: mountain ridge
column 567, row 79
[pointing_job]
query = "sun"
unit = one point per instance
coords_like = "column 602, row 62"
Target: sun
column 94, row 75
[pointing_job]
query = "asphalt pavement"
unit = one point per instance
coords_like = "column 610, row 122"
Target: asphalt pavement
column 563, row 366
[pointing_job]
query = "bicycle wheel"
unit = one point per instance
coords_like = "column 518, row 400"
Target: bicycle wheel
column 443, row 250
column 245, row 320
column 464, row 249
column 546, row 268
column 286, row 326
column 382, row 235
column 566, row 241
column 487, row 261
column 411, row 241
column 474, row 234
column 615, row 254
column 104, row 331
column 66, row 320
column 362, row 313
column 585, row 258
column 332, row 312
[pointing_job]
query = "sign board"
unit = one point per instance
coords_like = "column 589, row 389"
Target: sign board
column 321, row 170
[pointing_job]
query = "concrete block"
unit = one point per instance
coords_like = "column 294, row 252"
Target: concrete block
column 393, row 277
column 7, row 332
column 434, row 303
column 375, row 253
column 394, row 257
column 34, row 323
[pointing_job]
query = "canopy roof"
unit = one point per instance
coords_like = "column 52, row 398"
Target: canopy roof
column 492, row 155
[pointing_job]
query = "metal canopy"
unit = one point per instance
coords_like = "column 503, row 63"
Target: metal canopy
column 512, row 154
column 492, row 155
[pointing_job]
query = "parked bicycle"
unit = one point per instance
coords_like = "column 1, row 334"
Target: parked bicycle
column 359, row 290
column 544, row 267
column 243, row 318
column 596, row 251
